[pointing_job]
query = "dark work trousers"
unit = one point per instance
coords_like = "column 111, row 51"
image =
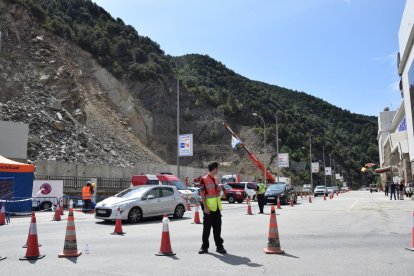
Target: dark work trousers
column 213, row 220
column 261, row 202
column 86, row 204
column 386, row 191
column 392, row 193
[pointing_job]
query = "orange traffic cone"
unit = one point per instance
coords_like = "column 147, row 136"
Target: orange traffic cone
column 70, row 248
column 196, row 215
column 56, row 216
column 324, row 197
column 249, row 207
column 412, row 238
column 32, row 251
column 273, row 245
column 310, row 198
column 118, row 224
column 61, row 209
column 278, row 203
column 3, row 214
column 165, row 248
column 291, row 202
column 27, row 241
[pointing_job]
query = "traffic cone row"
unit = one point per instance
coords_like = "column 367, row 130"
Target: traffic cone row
column 249, row 207
column 32, row 251
column 291, row 202
column 3, row 214
column 273, row 245
column 196, row 215
column 165, row 248
column 70, row 247
column 118, row 224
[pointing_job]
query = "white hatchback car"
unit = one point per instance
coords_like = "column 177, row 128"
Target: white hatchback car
column 141, row 202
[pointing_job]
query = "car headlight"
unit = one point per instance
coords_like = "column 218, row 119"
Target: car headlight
column 282, row 194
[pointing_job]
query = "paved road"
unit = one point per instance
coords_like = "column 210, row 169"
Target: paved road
column 357, row 233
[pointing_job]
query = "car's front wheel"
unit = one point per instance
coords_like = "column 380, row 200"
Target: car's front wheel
column 135, row 215
column 179, row 211
column 231, row 199
column 46, row 205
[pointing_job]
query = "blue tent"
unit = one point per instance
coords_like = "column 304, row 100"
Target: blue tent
column 16, row 185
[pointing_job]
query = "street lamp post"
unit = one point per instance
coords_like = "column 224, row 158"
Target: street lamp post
column 324, row 164
column 277, row 147
column 310, row 161
column 178, row 128
column 264, row 140
column 330, row 165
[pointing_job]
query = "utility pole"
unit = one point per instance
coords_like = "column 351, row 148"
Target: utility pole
column 324, row 164
column 334, row 173
column 330, row 165
column 310, row 162
column 277, row 147
column 178, row 128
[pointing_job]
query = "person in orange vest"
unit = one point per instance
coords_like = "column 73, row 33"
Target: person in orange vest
column 211, row 205
column 87, row 195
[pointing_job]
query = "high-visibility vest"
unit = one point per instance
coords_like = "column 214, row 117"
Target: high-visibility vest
column 262, row 188
column 212, row 194
column 86, row 193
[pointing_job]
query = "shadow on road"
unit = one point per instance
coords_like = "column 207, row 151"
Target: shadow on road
column 151, row 220
column 235, row 260
column 290, row 256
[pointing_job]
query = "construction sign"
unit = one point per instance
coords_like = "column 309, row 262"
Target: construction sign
column 185, row 145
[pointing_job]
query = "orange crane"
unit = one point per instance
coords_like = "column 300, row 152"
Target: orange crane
column 269, row 177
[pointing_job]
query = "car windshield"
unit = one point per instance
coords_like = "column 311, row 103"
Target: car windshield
column 179, row 185
column 320, row 187
column 226, row 180
column 132, row 192
column 227, row 187
column 277, row 187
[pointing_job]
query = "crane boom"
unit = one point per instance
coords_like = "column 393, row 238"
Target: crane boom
column 252, row 157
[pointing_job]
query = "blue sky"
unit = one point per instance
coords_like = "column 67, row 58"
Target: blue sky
column 343, row 51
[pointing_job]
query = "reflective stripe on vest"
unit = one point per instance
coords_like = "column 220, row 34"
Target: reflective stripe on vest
column 86, row 192
column 212, row 195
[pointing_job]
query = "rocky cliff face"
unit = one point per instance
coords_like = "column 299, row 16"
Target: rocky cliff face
column 73, row 106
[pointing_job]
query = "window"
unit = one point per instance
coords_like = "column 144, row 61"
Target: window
column 167, row 192
column 155, row 192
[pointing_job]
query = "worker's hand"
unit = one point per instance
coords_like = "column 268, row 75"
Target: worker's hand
column 206, row 210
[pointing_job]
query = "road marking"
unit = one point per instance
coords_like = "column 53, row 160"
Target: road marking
column 352, row 206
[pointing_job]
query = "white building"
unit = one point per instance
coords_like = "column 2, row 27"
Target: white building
column 406, row 71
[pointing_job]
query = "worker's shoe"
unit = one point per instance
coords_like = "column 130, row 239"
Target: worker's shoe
column 221, row 250
column 203, row 251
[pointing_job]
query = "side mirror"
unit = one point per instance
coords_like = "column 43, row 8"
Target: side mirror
column 150, row 197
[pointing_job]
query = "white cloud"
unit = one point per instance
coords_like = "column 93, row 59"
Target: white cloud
column 391, row 58
column 347, row 1
column 395, row 86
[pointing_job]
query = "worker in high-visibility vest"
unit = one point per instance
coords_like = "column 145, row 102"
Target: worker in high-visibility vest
column 260, row 194
column 211, row 205
column 87, row 195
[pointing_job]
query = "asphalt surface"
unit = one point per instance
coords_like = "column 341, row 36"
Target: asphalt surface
column 357, row 233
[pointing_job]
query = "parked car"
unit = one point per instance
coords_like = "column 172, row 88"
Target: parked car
column 409, row 189
column 142, row 201
column 306, row 188
column 335, row 189
column 320, row 190
column 233, row 194
column 196, row 193
column 249, row 187
column 373, row 187
column 330, row 190
column 280, row 190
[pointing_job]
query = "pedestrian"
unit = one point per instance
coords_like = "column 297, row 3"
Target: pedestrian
column 393, row 187
column 402, row 187
column 387, row 186
column 397, row 190
column 261, row 189
column 211, row 205
column 87, row 195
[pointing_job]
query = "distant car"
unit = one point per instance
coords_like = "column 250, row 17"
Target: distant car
column 409, row 189
column 196, row 192
column 306, row 188
column 233, row 194
column 330, row 190
column 320, row 190
column 335, row 189
column 373, row 188
column 141, row 202
column 280, row 190
column 249, row 187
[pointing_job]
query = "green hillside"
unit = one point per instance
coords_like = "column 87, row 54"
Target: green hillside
column 208, row 83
